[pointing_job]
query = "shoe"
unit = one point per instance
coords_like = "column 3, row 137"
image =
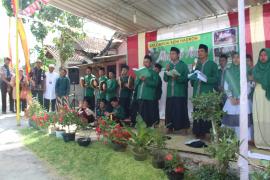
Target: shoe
column 4, row 112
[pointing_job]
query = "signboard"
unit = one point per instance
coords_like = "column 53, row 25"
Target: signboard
column 218, row 42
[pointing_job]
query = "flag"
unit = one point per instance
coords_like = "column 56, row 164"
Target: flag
column 14, row 6
column 9, row 43
column 24, row 46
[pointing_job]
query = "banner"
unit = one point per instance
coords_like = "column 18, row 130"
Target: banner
column 218, row 42
column 35, row 6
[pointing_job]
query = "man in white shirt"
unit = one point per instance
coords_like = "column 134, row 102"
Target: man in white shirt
column 49, row 93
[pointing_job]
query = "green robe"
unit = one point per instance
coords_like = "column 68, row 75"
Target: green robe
column 102, row 94
column 89, row 90
column 100, row 113
column 210, row 69
column 111, row 89
column 119, row 112
column 177, row 87
column 221, row 79
column 159, row 88
column 124, row 91
column 147, row 88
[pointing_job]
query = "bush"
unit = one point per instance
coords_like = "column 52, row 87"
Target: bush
column 209, row 172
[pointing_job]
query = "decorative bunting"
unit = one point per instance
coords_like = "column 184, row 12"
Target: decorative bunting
column 35, row 6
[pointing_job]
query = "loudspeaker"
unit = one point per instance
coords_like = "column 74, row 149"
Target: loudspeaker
column 74, row 75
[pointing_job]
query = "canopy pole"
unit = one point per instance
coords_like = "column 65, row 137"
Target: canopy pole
column 17, row 68
column 242, row 162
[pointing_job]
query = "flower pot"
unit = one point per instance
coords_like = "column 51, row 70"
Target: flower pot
column 139, row 155
column 52, row 133
column 158, row 159
column 158, row 163
column 84, row 141
column 32, row 124
column 119, row 147
column 175, row 176
column 69, row 137
column 59, row 134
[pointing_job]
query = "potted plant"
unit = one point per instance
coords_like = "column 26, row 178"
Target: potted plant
column 224, row 143
column 117, row 135
column 84, row 141
column 69, row 118
column 40, row 120
column 224, row 150
column 52, row 120
column 32, row 111
column 208, row 108
column 158, row 144
column 140, row 139
column 174, row 167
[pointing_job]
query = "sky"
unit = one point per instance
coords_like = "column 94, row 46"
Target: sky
column 91, row 28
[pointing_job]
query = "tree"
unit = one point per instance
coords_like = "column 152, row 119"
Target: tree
column 68, row 26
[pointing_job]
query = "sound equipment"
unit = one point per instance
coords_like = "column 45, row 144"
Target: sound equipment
column 74, row 75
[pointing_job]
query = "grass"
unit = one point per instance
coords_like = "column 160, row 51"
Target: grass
column 96, row 162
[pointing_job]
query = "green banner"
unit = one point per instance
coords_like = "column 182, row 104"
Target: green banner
column 188, row 46
column 223, row 41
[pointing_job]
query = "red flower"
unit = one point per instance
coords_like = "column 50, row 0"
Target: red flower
column 60, row 119
column 169, row 157
column 118, row 126
column 103, row 122
column 98, row 130
column 46, row 117
column 34, row 117
column 179, row 170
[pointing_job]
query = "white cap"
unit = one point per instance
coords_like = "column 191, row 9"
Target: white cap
column 51, row 65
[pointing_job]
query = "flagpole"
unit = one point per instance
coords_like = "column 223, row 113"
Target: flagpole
column 242, row 161
column 17, row 68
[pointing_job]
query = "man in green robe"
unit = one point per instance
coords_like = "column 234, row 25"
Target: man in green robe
column 223, row 59
column 210, row 69
column 111, row 89
column 88, row 88
column 102, row 80
column 125, row 89
column 176, row 114
column 146, row 93
column 158, row 69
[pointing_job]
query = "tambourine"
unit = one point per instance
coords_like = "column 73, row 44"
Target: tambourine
column 94, row 83
column 82, row 82
column 130, row 82
column 103, row 86
column 121, row 82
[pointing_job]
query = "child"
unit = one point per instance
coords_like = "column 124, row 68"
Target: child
column 101, row 110
column 85, row 112
column 118, row 111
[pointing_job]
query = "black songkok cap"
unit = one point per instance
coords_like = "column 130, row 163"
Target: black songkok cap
column 203, row 46
column 175, row 49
